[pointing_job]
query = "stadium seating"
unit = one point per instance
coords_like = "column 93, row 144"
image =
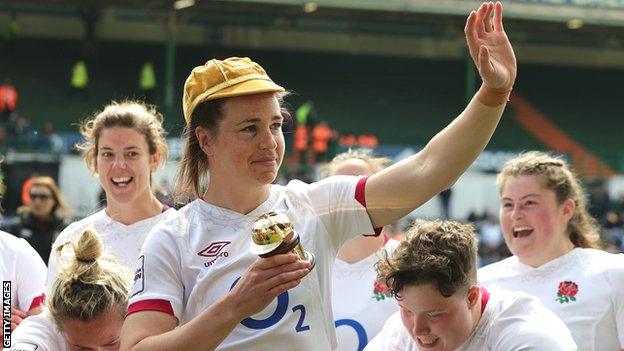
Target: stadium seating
column 401, row 100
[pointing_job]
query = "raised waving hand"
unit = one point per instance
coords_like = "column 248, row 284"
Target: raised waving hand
column 490, row 48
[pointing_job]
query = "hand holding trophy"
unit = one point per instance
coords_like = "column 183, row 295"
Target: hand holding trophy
column 273, row 234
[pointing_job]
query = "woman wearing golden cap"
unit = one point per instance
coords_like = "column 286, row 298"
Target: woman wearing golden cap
column 197, row 285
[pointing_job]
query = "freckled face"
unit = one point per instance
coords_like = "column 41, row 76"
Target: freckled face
column 249, row 146
column 533, row 223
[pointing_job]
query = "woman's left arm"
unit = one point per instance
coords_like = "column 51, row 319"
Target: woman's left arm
column 399, row 189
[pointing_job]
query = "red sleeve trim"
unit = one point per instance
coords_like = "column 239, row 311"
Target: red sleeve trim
column 150, row 305
column 360, row 196
column 36, row 302
column 485, row 297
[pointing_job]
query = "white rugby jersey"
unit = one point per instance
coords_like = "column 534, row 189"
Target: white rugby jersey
column 584, row 287
column 510, row 322
column 120, row 240
column 195, row 256
column 361, row 305
column 22, row 266
column 37, row 333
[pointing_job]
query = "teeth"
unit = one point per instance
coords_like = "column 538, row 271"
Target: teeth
column 427, row 342
column 522, row 231
column 121, row 179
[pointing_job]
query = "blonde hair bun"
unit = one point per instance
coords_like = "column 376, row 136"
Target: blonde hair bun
column 89, row 246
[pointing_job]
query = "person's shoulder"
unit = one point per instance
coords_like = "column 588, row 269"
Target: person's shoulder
column 512, row 297
column 10, row 242
column 521, row 319
column 37, row 332
column 608, row 265
column 497, row 269
column 145, row 225
column 517, row 307
column 601, row 255
column 173, row 217
column 18, row 251
column 536, row 337
column 194, row 210
column 601, row 261
column 186, row 210
column 294, row 185
column 333, row 186
column 8, row 237
column 173, row 223
column 332, row 181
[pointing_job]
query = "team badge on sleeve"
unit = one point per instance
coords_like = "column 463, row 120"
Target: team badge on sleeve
column 139, row 276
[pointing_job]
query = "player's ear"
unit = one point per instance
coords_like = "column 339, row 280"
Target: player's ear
column 204, row 138
column 474, row 294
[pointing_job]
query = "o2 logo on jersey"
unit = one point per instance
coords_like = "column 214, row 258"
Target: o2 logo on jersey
column 214, row 251
column 280, row 311
column 359, row 330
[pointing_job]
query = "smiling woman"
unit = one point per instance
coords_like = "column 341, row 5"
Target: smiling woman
column 554, row 240
column 123, row 144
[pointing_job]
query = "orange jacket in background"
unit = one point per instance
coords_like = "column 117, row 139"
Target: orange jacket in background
column 320, row 136
column 368, row 141
column 301, row 137
column 8, row 97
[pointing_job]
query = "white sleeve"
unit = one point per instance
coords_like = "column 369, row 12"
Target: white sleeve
column 536, row 342
column 31, row 345
column 158, row 282
column 338, row 201
column 31, row 273
column 35, row 333
column 547, row 336
column 615, row 277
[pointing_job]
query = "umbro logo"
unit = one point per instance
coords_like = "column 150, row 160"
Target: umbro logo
column 214, row 251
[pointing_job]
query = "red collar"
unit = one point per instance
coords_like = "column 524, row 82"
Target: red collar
column 485, row 296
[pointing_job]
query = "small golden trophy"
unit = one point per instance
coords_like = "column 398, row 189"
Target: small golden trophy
column 273, row 234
